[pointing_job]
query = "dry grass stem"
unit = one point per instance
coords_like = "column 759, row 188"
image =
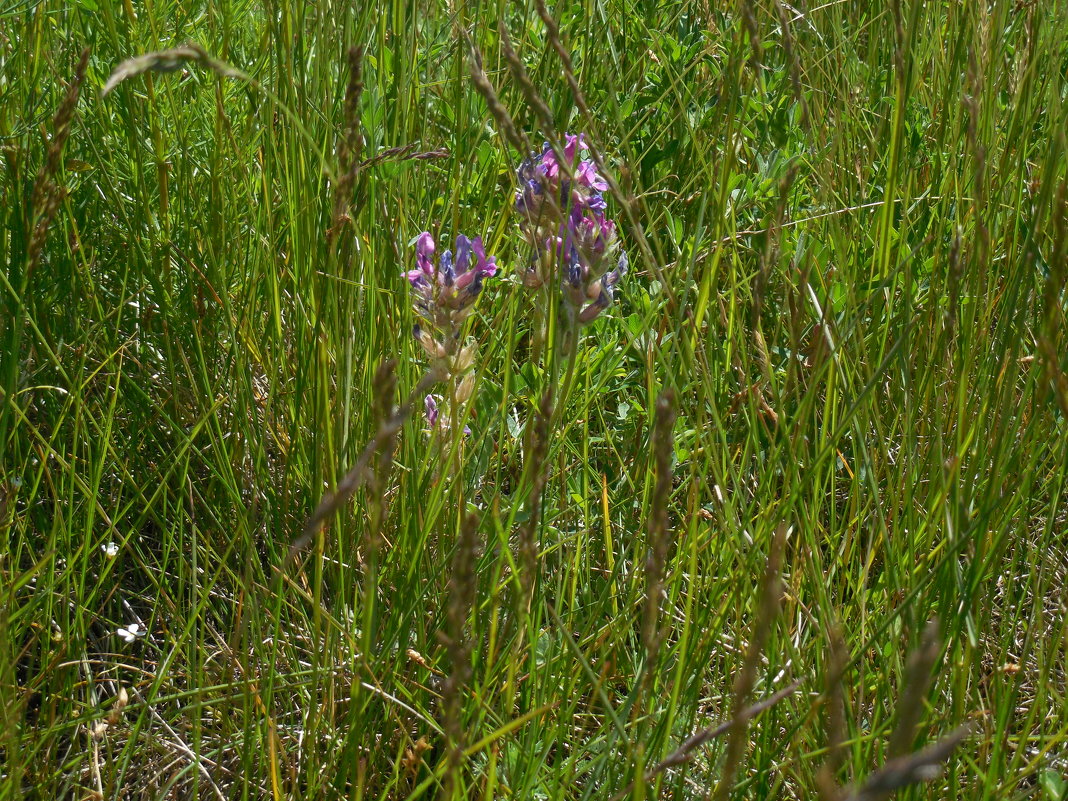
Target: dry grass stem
column 483, row 86
column 359, row 474
column 747, row 675
column 350, row 146
column 835, row 719
column 659, row 534
column 917, row 681
column 462, row 586
column 537, row 467
column 688, row 749
column 47, row 194
column 922, row 766
column 168, row 61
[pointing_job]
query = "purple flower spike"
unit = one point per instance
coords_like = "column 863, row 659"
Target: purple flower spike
column 562, row 216
column 443, row 293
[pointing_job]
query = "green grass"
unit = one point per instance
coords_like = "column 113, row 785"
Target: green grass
column 855, row 289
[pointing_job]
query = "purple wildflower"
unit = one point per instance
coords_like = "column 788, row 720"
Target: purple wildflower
column 443, row 295
column 546, row 191
column 434, row 417
column 562, row 216
column 454, row 283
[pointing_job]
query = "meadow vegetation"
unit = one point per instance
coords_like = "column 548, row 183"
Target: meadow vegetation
column 786, row 517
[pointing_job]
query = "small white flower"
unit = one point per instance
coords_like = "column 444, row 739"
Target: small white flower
column 110, row 550
column 131, row 632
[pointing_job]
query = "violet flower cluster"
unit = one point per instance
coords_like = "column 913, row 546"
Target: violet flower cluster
column 443, row 295
column 562, row 216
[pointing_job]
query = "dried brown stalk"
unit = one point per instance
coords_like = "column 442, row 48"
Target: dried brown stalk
column 537, row 462
column 351, row 144
column 685, row 752
column 746, row 678
column 904, row 767
column 482, row 84
column 922, row 766
column 836, row 722
column 917, row 682
column 659, row 535
column 461, row 602
column 388, row 429
column 384, row 389
column 530, row 93
column 47, row 193
column 168, row 61
column 1053, row 311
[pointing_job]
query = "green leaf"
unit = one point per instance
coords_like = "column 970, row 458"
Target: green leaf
column 1055, row 786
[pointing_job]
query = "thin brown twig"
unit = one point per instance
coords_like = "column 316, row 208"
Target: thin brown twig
column 483, row 86
column 350, row 146
column 526, row 86
column 168, row 61
column 462, row 592
column 836, row 722
column 537, row 462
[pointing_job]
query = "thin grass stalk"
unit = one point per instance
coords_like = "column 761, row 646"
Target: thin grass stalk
column 659, row 533
column 536, row 464
column 485, row 88
column 35, row 220
column 917, row 681
column 792, row 66
column 922, row 766
column 1052, row 308
column 47, row 193
column 530, row 93
column 835, row 719
column 383, row 388
column 688, row 749
column 462, row 587
column 746, row 678
column 350, row 147
column 358, row 475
